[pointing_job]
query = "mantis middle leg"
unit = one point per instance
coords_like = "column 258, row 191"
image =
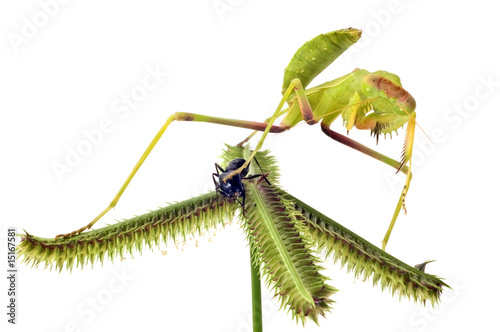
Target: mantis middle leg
column 399, row 166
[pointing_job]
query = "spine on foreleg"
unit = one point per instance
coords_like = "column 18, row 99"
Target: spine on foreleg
column 317, row 54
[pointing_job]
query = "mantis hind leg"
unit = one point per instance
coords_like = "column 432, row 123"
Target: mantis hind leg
column 399, row 166
column 178, row 116
column 127, row 181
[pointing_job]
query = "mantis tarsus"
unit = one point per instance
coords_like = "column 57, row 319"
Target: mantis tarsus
column 374, row 101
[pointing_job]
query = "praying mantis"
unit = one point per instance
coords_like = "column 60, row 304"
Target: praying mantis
column 364, row 100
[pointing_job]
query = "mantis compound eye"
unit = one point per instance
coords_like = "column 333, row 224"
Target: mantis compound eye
column 369, row 85
column 408, row 103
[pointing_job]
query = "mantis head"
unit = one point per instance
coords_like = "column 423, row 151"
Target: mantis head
column 388, row 93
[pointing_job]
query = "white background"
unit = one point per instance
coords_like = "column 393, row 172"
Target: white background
column 68, row 75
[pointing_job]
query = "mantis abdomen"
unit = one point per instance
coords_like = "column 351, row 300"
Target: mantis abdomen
column 317, row 54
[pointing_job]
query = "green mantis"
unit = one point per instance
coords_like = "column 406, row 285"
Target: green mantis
column 371, row 101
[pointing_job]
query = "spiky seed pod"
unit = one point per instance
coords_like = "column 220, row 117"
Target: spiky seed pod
column 367, row 260
column 282, row 232
column 286, row 259
column 177, row 220
column 360, row 256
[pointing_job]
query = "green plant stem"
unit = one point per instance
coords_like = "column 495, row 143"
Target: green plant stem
column 254, row 274
column 256, row 295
